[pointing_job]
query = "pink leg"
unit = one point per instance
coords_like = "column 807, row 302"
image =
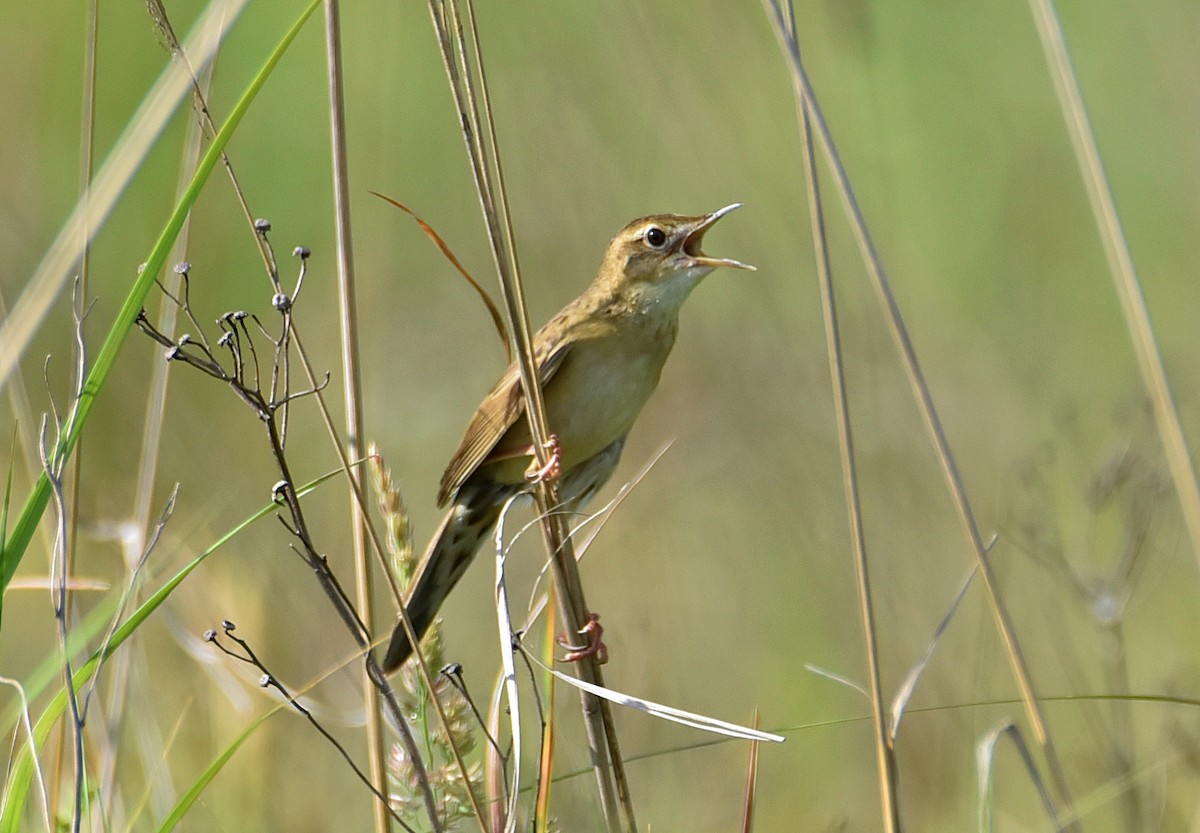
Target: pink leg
column 594, row 647
column 553, row 468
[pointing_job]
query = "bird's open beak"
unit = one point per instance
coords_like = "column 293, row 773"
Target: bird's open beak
column 691, row 243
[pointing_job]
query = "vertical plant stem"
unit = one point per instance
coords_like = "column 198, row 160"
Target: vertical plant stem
column 929, row 414
column 884, row 752
column 87, row 144
column 607, row 763
column 352, row 389
column 1120, row 264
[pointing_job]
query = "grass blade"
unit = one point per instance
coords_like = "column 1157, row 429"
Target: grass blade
column 210, row 772
column 15, row 546
column 21, row 774
column 116, row 172
column 1120, row 264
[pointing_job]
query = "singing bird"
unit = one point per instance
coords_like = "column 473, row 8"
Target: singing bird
column 598, row 361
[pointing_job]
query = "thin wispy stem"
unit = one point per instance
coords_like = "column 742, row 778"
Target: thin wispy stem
column 89, row 213
column 884, row 753
column 1120, row 264
column 87, row 149
column 924, row 398
column 352, row 385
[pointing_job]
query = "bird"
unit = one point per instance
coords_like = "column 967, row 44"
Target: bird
column 598, row 361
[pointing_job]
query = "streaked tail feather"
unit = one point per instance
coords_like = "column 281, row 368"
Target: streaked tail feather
column 453, row 546
column 471, row 518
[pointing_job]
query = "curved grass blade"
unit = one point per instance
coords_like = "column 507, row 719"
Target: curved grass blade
column 21, row 776
column 123, row 162
column 4, row 516
column 448, row 253
column 189, row 798
column 15, row 546
column 696, row 721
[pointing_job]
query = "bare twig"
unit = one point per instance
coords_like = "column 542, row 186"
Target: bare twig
column 54, row 464
column 270, row 403
column 269, row 680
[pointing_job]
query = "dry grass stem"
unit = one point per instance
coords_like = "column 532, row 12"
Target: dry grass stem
column 352, row 385
column 899, row 331
column 884, row 753
column 462, row 61
column 1120, row 264
column 751, row 782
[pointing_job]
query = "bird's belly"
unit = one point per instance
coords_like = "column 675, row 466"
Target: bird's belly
column 592, row 401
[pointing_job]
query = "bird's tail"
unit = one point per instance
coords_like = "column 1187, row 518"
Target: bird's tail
column 454, row 544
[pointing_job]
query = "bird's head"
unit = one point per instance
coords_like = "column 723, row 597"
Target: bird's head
column 658, row 259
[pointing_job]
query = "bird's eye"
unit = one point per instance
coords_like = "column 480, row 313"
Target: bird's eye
column 655, row 237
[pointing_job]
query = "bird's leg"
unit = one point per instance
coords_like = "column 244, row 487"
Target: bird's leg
column 594, row 647
column 553, row 468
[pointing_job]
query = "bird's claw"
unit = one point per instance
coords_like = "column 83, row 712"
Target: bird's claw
column 553, row 468
column 594, row 647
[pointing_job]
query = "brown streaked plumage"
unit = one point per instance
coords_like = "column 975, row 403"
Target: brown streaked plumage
column 598, row 361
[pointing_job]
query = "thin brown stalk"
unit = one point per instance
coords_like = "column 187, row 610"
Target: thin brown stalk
column 751, row 783
column 374, row 674
column 1120, row 264
column 448, row 253
column 352, row 388
column 374, row 677
column 884, row 753
column 924, row 398
column 480, row 136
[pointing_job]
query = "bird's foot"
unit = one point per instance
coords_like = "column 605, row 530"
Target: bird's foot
column 553, row 468
column 594, row 647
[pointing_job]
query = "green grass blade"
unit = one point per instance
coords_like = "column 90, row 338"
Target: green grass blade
column 31, row 514
column 129, row 153
column 4, row 517
column 21, row 774
column 189, row 798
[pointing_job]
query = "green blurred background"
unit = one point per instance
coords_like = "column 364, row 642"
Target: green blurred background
column 727, row 570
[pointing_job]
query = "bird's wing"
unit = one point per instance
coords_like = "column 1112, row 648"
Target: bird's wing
column 499, row 411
